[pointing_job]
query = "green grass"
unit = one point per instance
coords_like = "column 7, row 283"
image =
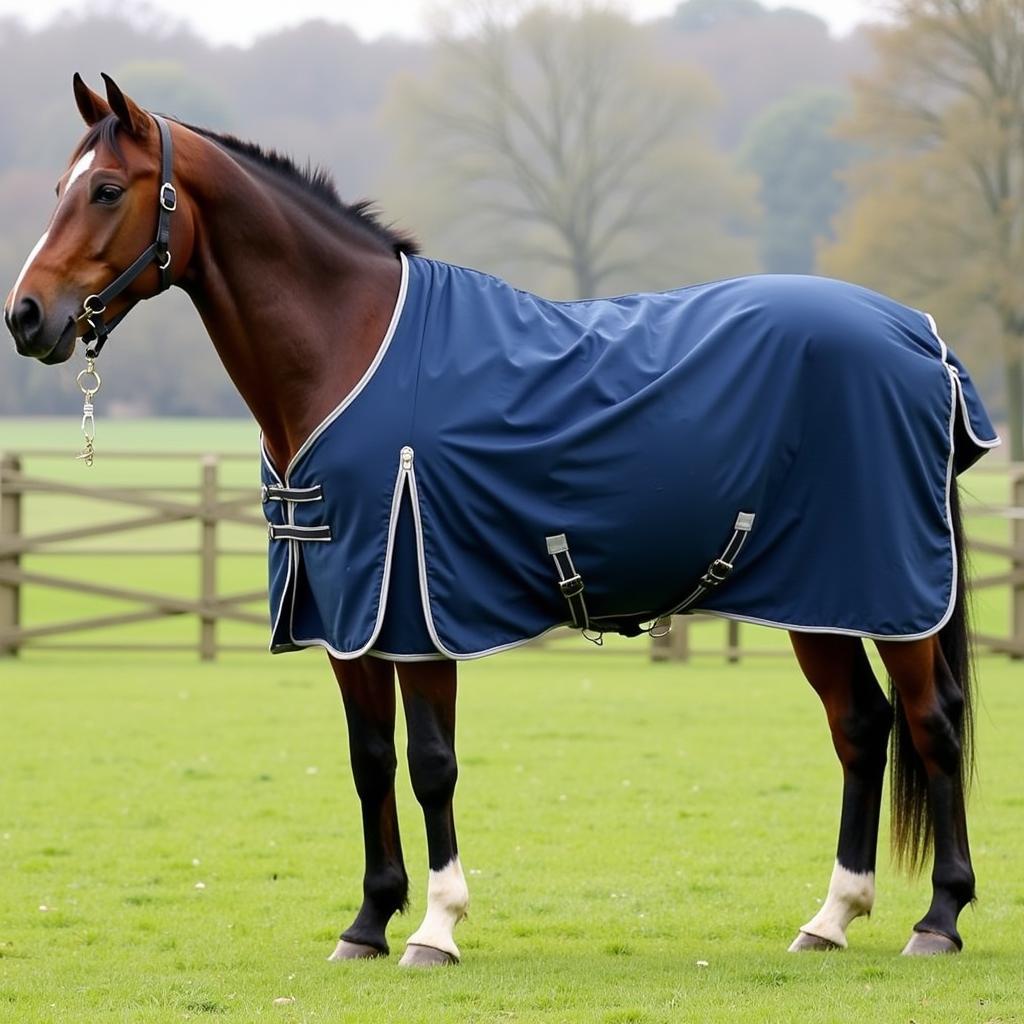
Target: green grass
column 620, row 821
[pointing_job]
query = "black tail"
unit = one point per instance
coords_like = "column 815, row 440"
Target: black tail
column 911, row 820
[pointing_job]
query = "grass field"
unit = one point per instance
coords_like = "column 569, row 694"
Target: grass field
column 620, row 821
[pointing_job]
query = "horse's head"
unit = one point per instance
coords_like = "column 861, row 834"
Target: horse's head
column 109, row 202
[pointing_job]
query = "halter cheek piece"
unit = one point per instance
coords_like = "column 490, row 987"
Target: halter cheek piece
column 159, row 253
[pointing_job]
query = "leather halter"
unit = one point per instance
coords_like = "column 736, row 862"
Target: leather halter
column 158, row 252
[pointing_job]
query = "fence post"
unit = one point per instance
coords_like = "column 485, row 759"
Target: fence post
column 1017, row 534
column 674, row 646
column 732, row 642
column 10, row 529
column 208, row 495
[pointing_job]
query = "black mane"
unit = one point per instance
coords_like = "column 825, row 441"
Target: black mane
column 316, row 182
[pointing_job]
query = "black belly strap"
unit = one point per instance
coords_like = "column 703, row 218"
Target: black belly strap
column 571, row 586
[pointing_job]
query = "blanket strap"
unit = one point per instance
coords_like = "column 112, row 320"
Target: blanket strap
column 272, row 492
column 300, row 533
column 570, row 582
column 718, row 571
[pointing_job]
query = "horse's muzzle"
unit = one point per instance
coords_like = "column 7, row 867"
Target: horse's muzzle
column 32, row 335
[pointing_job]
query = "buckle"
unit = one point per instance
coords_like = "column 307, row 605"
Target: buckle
column 264, row 494
column 88, row 309
column 718, row 572
column 168, row 197
column 572, row 587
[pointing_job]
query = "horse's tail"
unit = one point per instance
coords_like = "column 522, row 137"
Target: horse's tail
column 911, row 818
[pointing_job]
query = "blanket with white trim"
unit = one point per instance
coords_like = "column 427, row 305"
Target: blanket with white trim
column 415, row 521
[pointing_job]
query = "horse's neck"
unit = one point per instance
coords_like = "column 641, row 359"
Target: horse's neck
column 295, row 307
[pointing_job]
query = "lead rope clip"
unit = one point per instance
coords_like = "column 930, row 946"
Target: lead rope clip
column 89, row 383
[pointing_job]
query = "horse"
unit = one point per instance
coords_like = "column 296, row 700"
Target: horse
column 277, row 266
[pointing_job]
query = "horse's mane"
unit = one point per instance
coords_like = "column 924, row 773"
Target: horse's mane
column 316, row 182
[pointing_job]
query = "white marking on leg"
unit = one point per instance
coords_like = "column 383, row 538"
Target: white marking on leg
column 850, row 894
column 447, row 902
column 24, row 270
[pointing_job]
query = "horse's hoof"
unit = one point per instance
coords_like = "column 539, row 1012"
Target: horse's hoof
column 805, row 942
column 426, row 956
column 354, row 951
column 929, row 944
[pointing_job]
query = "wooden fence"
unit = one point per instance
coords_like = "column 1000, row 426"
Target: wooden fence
column 207, row 503
column 228, row 523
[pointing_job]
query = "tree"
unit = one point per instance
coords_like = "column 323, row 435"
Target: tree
column 758, row 57
column 939, row 216
column 697, row 15
column 559, row 143
column 794, row 150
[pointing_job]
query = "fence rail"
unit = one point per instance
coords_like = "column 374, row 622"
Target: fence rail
column 209, row 504
column 212, row 506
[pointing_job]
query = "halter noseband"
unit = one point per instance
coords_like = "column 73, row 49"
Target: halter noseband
column 158, row 252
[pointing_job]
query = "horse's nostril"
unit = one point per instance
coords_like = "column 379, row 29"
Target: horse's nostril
column 25, row 318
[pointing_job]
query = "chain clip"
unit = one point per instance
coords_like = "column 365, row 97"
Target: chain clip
column 89, row 382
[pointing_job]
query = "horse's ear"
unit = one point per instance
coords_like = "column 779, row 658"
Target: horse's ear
column 91, row 106
column 134, row 120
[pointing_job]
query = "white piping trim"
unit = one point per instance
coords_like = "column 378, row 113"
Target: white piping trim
column 388, row 656
column 404, row 476
column 439, row 656
column 954, row 556
column 287, row 580
column 293, row 553
column 968, row 426
column 382, row 600
column 421, row 559
column 957, row 401
column 364, row 380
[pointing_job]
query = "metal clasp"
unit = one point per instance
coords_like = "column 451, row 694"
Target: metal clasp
column 168, row 197
column 88, row 387
column 718, row 572
column 90, row 310
column 89, row 371
column 660, row 628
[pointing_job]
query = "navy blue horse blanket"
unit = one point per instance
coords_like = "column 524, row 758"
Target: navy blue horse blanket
column 819, row 423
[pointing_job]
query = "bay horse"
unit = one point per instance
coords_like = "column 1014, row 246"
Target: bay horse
column 277, row 266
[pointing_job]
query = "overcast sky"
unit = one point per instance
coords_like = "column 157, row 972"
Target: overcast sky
column 239, row 22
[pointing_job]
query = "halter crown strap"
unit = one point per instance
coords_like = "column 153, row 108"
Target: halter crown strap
column 158, row 252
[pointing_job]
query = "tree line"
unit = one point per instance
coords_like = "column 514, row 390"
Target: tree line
column 576, row 153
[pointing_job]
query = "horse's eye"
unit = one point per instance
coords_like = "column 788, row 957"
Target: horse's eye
column 107, row 194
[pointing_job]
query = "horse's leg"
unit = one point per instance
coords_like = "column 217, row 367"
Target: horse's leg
column 368, row 691
column 930, row 713
column 428, row 694
column 860, row 719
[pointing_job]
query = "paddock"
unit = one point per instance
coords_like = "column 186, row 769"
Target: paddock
column 130, row 781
